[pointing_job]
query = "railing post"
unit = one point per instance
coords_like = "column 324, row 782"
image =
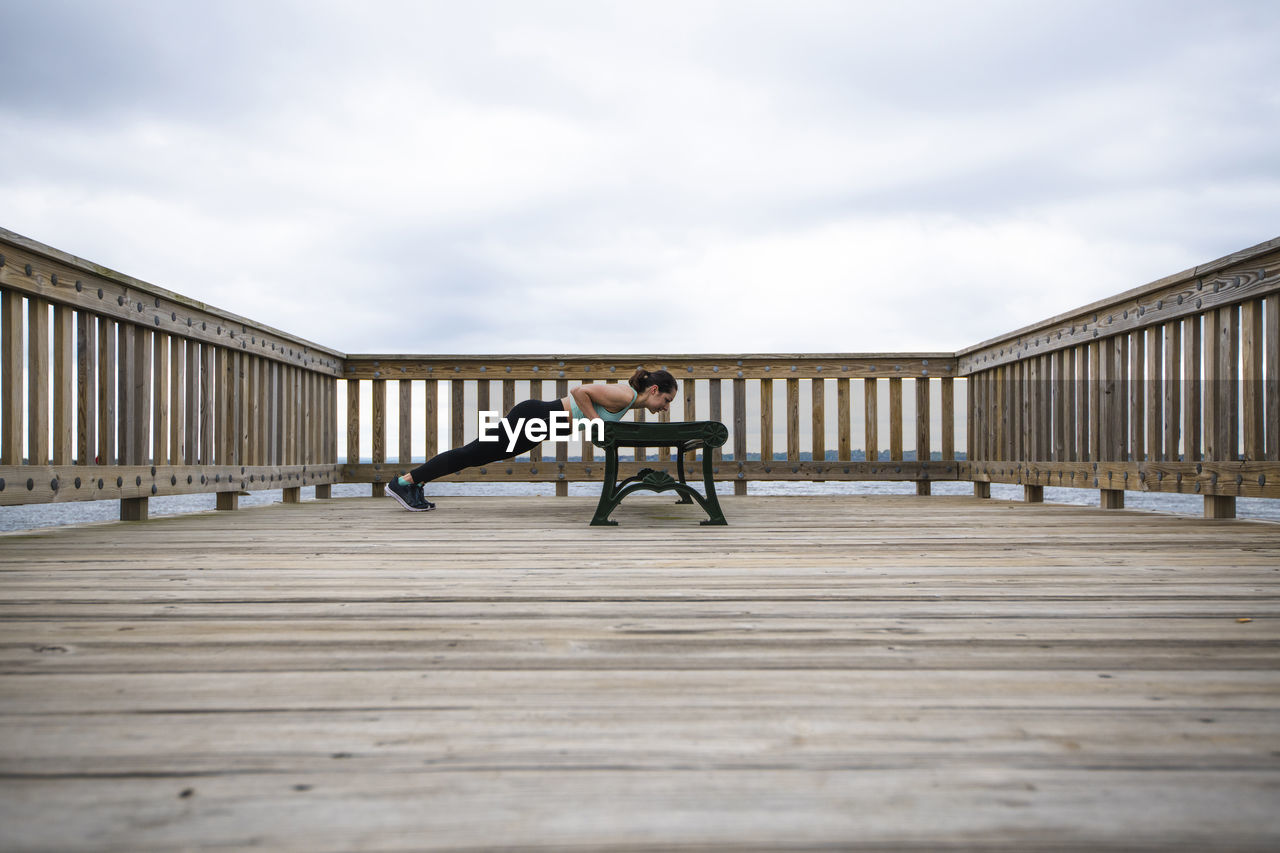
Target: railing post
column 923, row 436
column 1219, row 506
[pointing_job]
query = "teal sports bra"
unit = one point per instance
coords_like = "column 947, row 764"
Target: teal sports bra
column 605, row 414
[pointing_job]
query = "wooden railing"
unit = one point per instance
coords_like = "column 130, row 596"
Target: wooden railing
column 1167, row 388
column 739, row 390
column 114, row 388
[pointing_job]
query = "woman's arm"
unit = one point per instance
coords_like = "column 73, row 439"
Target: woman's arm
column 611, row 397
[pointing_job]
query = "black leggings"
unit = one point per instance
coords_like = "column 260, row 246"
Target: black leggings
column 487, row 452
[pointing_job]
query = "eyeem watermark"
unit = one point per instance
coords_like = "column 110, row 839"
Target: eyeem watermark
column 560, row 429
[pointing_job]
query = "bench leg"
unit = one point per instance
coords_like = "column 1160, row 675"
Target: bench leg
column 711, row 503
column 608, row 500
column 684, row 498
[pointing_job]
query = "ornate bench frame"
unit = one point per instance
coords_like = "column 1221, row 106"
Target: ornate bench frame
column 683, row 437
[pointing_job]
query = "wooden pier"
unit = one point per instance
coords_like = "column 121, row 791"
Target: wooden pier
column 825, row 673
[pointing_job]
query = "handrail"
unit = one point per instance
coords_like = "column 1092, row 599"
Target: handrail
column 151, row 393
column 1171, row 387
column 721, row 380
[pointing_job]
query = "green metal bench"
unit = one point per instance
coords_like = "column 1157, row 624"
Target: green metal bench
column 683, row 437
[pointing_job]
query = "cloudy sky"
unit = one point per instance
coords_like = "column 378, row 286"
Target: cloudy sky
column 695, row 176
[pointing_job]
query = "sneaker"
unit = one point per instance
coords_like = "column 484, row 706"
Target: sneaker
column 420, row 499
column 407, row 496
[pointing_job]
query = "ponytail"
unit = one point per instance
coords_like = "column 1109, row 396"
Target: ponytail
column 643, row 379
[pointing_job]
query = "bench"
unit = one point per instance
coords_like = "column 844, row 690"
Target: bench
column 682, row 437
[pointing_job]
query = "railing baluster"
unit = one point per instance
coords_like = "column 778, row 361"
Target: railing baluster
column 844, row 421
column 38, row 382
column 406, row 422
column 1271, row 333
column 740, row 433
column 64, row 385
column 86, row 387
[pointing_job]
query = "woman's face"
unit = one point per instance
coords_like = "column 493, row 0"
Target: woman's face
column 657, row 401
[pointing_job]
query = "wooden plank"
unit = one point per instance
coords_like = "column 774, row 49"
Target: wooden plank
column 793, row 420
column 1110, row 411
column 178, row 411
column 974, row 422
column 225, row 407
column 208, row 404
column 160, row 399
column 701, row 366
column 844, row 421
column 1192, row 388
column 562, row 447
column 513, row 471
column 871, row 418
column 11, row 369
column 966, row 674
column 378, row 424
column 1212, row 400
column 895, row 418
column 717, row 413
column 275, row 407
column 86, row 387
column 740, row 431
column 1252, row 392
column 1272, row 334
column 1236, row 479
column 1071, row 406
column 431, row 417
column 1057, row 405
column 253, row 407
column 1154, row 392
column 508, row 395
column 38, row 382
column 191, row 398
column 1172, row 391
column 817, row 419
column 405, row 430
column 1137, row 404
column 766, row 420
column 126, row 405
column 1002, row 413
column 307, row 417
column 923, row 436
column 690, row 413
column 240, row 385
column 1228, row 383
column 67, row 483
column 293, row 394
column 64, row 386
column 1122, row 383
column 266, row 403
column 482, row 394
column 535, row 393
column 1032, row 409
column 353, row 422
column 1095, row 401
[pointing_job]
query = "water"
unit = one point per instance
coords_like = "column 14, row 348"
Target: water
column 85, row 512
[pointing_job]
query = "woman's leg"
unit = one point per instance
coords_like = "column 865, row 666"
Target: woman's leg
column 479, row 452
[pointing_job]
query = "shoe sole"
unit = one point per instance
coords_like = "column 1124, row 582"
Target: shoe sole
column 386, row 490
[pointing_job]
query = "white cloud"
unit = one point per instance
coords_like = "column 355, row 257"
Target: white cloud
column 575, row 177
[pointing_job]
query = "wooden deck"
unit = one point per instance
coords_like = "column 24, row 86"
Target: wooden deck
column 889, row 672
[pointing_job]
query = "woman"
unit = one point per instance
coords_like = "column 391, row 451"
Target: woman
column 653, row 391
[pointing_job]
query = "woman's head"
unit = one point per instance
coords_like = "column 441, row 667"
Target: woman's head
column 654, row 389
